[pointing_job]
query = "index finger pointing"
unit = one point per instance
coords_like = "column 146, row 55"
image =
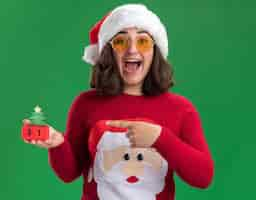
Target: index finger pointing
column 119, row 123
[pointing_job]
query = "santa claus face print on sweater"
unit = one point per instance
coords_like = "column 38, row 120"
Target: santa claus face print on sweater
column 123, row 172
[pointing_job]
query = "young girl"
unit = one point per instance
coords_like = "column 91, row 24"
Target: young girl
column 131, row 77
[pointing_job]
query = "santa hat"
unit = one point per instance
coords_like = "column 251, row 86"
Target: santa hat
column 125, row 16
column 105, row 137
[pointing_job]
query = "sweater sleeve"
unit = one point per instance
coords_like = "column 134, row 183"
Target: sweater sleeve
column 188, row 155
column 68, row 159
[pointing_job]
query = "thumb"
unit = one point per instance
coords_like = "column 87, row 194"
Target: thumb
column 51, row 130
column 26, row 121
column 51, row 134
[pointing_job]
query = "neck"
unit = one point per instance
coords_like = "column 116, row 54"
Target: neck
column 136, row 91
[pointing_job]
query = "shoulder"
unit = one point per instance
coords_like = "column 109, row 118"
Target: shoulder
column 179, row 101
column 84, row 97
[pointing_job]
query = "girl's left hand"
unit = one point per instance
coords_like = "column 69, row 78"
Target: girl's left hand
column 140, row 133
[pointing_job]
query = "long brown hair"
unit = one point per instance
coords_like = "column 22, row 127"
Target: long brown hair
column 106, row 78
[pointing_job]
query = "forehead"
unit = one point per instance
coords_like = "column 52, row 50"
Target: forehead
column 133, row 30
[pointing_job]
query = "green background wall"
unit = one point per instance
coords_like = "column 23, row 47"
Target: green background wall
column 213, row 53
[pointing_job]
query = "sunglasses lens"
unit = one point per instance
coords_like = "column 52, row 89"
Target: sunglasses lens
column 144, row 43
column 120, row 43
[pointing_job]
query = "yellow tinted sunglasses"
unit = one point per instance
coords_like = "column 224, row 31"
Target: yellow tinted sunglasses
column 121, row 43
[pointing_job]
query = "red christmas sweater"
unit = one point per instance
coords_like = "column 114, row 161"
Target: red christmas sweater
column 181, row 142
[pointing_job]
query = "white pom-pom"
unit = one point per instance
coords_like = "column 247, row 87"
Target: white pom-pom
column 91, row 54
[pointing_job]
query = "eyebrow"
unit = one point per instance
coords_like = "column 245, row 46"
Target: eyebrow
column 142, row 31
column 125, row 32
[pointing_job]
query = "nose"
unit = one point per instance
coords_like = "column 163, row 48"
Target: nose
column 133, row 168
column 132, row 49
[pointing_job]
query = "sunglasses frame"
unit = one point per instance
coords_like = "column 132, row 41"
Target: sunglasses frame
column 129, row 40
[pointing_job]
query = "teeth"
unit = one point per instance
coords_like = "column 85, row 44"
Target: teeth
column 131, row 60
column 135, row 62
column 131, row 66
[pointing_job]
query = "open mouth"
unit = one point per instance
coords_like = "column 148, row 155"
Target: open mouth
column 132, row 66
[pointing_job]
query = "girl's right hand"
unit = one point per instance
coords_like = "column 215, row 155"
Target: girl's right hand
column 55, row 138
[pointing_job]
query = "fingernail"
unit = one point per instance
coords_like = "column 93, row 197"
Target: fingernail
column 26, row 121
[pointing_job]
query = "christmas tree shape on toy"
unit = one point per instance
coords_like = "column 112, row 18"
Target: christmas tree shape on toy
column 37, row 129
column 37, row 117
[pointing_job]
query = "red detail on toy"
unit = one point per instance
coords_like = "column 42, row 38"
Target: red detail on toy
column 132, row 179
column 35, row 132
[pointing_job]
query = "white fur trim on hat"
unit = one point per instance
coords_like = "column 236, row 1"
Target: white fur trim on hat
column 134, row 15
column 111, row 140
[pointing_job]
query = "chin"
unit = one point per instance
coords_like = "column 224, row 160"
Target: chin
column 132, row 83
column 133, row 80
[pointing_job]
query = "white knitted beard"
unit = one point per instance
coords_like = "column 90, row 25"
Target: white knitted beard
column 114, row 186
